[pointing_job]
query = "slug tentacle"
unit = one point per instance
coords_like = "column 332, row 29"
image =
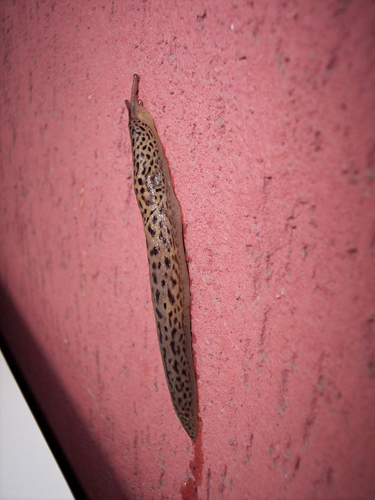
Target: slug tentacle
column 169, row 277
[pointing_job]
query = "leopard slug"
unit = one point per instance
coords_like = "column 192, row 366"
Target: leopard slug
column 166, row 258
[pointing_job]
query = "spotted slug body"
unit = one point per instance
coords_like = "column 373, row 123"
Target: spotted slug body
column 166, row 258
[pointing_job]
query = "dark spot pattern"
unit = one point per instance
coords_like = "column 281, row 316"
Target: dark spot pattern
column 168, row 269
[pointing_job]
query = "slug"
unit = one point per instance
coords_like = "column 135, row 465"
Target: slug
column 169, row 276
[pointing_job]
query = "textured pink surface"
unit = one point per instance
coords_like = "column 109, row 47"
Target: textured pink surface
column 267, row 115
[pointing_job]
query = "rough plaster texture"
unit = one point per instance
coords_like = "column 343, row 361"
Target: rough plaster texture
column 266, row 112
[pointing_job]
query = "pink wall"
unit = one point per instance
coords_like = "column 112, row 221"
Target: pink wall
column 267, row 114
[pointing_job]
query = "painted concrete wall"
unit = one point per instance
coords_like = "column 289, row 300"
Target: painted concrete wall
column 266, row 111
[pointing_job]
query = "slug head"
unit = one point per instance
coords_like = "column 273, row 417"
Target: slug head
column 135, row 106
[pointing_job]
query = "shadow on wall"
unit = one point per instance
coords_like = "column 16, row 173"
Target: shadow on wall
column 83, row 464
